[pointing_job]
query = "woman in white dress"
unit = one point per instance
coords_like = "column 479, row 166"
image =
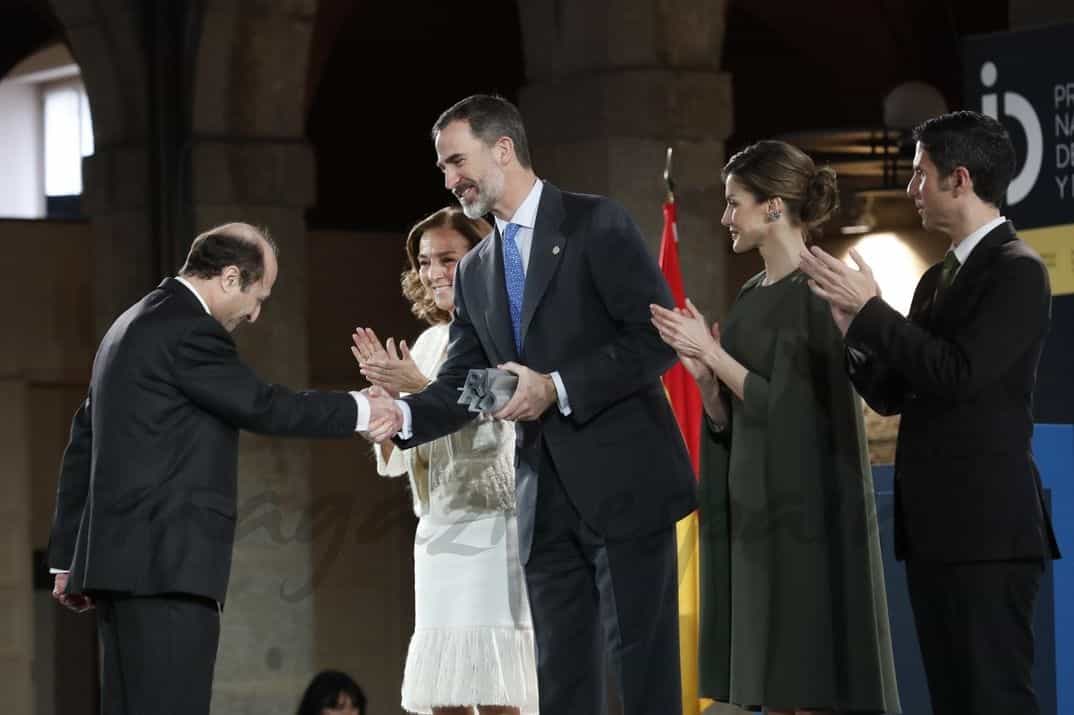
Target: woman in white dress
column 473, row 637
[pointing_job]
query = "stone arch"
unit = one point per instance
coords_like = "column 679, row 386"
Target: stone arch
column 105, row 39
column 42, row 380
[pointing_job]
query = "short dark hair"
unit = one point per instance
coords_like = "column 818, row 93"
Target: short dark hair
column 974, row 141
column 232, row 244
column 490, row 117
column 452, row 217
column 324, row 691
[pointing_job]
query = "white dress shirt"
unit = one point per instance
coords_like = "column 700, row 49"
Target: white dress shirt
column 965, row 246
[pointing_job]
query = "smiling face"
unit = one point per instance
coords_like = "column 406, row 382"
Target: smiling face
column 472, row 169
column 744, row 216
column 439, row 253
column 931, row 193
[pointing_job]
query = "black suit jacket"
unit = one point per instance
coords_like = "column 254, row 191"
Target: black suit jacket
column 585, row 313
column 961, row 371
column 146, row 498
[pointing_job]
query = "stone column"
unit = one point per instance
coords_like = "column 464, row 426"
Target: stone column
column 16, row 583
column 267, row 634
column 612, row 84
column 126, row 259
column 106, row 41
column 250, row 162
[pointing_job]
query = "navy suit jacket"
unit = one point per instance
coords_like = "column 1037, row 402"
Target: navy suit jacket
column 585, row 313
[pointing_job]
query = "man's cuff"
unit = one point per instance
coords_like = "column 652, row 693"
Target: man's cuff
column 561, row 395
column 863, row 326
column 56, row 571
column 363, row 411
column 405, row 432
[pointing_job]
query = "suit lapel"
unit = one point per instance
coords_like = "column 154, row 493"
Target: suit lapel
column 546, row 250
column 974, row 267
column 497, row 315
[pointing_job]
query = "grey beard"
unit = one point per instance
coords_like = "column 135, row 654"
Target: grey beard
column 488, row 191
column 478, row 208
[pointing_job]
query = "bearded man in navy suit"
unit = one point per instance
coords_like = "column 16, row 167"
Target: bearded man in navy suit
column 559, row 294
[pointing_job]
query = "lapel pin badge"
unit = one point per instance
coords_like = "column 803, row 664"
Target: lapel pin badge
column 555, row 250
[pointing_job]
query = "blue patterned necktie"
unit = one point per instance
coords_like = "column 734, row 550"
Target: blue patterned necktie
column 515, row 278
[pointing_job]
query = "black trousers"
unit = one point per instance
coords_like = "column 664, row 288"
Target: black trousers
column 158, row 653
column 595, row 601
column 975, row 626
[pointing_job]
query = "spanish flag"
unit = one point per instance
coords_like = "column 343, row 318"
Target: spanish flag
column 686, row 402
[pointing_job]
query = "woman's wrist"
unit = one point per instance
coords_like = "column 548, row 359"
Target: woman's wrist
column 706, row 380
column 712, row 359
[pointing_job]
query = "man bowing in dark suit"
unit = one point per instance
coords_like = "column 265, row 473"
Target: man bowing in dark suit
column 559, row 294
column 970, row 519
column 145, row 509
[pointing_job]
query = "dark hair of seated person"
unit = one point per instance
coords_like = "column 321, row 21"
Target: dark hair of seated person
column 325, row 690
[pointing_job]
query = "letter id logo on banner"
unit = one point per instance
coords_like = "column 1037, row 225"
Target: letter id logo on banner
column 1018, row 108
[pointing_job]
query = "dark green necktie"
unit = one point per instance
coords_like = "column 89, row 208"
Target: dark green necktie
column 950, row 268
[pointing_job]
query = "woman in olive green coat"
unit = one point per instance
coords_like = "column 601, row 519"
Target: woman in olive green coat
column 793, row 610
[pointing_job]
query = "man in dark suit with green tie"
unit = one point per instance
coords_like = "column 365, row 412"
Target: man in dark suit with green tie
column 970, row 519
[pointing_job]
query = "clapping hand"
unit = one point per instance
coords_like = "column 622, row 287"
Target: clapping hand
column 686, row 331
column 846, row 289
column 393, row 370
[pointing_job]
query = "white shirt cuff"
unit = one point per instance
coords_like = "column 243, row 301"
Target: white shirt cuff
column 56, row 571
column 561, row 395
column 363, row 411
column 406, row 432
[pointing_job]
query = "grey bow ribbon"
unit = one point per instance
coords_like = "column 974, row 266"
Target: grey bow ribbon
column 487, row 390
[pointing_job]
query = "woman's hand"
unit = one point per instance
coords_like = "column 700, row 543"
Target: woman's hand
column 686, row 331
column 384, row 366
column 698, row 370
column 366, row 345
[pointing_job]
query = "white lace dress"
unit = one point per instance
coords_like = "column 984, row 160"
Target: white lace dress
column 473, row 635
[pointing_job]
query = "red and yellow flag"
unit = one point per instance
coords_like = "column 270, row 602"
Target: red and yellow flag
column 680, row 386
column 686, row 403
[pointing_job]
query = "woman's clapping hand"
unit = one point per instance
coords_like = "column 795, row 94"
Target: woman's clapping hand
column 384, row 366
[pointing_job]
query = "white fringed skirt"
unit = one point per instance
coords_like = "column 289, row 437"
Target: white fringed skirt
column 473, row 635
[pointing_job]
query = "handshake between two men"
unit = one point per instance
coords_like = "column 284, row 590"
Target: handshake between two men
column 393, row 373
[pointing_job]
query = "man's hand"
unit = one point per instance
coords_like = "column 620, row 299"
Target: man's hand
column 385, row 417
column 842, row 319
column 846, row 289
column 78, row 603
column 536, row 392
